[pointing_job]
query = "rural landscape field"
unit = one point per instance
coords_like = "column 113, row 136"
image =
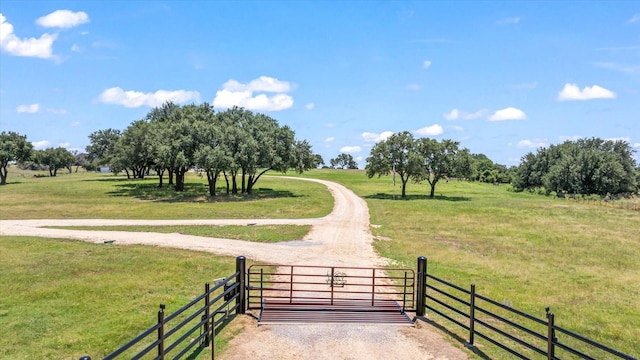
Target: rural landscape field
column 471, row 168
column 67, row 298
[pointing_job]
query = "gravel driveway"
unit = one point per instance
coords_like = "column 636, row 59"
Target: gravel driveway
column 342, row 238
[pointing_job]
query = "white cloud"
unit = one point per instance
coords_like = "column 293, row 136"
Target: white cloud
column 30, row 47
column 414, row 87
column 509, row 113
column 63, row 19
column 350, row 149
column 42, row 144
column 457, row 128
column 456, row 114
column 234, row 93
column 329, row 139
column 261, row 84
column 75, row 48
column 510, row 20
column 57, row 111
column 64, row 145
column 309, row 106
column 635, row 18
column 533, row 144
column 452, row 115
column 432, row 130
column 133, row 99
column 374, row 138
column 636, row 145
column 426, row 64
column 629, row 69
column 573, row 92
column 28, row 109
column 75, row 123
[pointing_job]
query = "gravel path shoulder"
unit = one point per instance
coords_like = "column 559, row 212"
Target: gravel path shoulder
column 341, row 238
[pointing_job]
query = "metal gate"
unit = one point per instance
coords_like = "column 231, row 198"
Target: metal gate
column 330, row 294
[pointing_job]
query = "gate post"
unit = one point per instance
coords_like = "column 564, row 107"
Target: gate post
column 241, row 268
column 551, row 335
column 161, row 332
column 421, row 290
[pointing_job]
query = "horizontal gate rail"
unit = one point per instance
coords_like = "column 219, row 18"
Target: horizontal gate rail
column 192, row 325
column 326, row 284
column 510, row 329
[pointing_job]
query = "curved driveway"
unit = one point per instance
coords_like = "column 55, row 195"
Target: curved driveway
column 342, row 237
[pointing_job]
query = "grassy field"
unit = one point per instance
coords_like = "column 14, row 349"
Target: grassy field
column 582, row 260
column 262, row 233
column 64, row 299
column 531, row 251
column 115, row 197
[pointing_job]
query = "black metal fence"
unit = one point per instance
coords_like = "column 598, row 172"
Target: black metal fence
column 193, row 327
column 523, row 335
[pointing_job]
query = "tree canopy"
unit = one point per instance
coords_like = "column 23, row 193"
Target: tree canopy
column 13, row 147
column 237, row 143
column 343, row 161
column 586, row 166
column 419, row 159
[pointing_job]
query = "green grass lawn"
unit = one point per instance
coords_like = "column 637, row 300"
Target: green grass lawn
column 261, row 233
column 532, row 251
column 90, row 195
column 64, row 299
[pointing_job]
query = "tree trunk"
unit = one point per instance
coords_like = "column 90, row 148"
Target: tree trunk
column 160, row 174
column 404, row 188
column 170, row 176
column 433, row 190
column 212, row 179
column 234, row 185
column 180, row 179
column 254, row 179
column 3, row 175
column 244, row 188
column 226, row 179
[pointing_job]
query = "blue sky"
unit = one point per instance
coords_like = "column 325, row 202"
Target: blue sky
column 502, row 78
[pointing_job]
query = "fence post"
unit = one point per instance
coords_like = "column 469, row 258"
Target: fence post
column 161, row 332
column 206, row 314
column 241, row 268
column 422, row 286
column 472, row 314
column 551, row 335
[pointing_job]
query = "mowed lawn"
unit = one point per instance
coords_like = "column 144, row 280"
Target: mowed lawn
column 530, row 251
column 581, row 260
column 62, row 299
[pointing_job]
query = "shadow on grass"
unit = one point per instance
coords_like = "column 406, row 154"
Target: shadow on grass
column 198, row 351
column 192, row 193
column 454, row 336
column 386, row 196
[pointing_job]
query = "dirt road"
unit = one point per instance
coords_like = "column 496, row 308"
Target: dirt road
column 341, row 238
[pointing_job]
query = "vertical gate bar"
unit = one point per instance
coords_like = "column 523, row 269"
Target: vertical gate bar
column 472, row 313
column 291, row 286
column 161, row 332
column 404, row 293
column 333, row 270
column 422, row 285
column 241, row 268
column 373, row 287
column 261, row 285
column 550, row 335
column 206, row 314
